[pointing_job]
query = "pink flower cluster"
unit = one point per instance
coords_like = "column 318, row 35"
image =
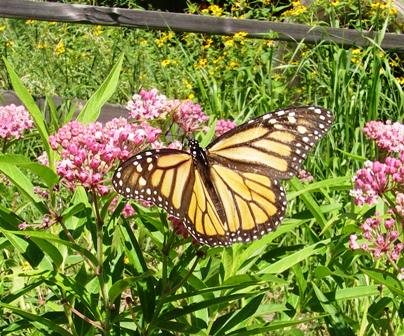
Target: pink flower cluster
column 381, row 238
column 376, row 178
column 14, row 120
column 305, row 176
column 223, row 126
column 382, row 180
column 150, row 105
column 388, row 136
column 187, row 115
column 147, row 105
column 89, row 151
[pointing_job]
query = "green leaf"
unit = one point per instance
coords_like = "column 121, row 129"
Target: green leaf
column 335, row 183
column 32, row 108
column 118, row 287
column 263, row 329
column 293, row 259
column 242, row 315
column 92, row 109
column 38, row 319
column 387, row 279
column 310, row 203
column 176, row 312
column 48, row 176
column 356, row 292
column 23, row 183
column 50, row 237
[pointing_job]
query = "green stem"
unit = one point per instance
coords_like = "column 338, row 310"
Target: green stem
column 100, row 260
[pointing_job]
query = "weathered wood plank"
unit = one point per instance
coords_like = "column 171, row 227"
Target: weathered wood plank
column 24, row 9
column 108, row 111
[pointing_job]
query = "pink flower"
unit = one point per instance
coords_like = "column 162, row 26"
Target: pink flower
column 178, row 226
column 187, row 115
column 370, row 182
column 89, row 152
column 147, row 105
column 382, row 238
column 388, row 136
column 14, row 120
column 128, row 211
column 223, row 126
column 400, row 204
column 305, row 176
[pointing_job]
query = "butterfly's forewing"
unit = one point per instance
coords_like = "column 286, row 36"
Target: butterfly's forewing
column 274, row 144
column 169, row 179
column 159, row 176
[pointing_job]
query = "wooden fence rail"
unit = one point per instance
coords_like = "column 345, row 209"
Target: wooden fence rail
column 24, row 9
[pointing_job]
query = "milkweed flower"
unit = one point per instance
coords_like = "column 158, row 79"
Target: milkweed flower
column 188, row 115
column 382, row 180
column 14, row 120
column 146, row 105
column 223, row 126
column 380, row 237
column 89, row 152
column 388, row 136
column 304, row 176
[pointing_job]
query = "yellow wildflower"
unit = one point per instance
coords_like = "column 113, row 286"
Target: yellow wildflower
column 187, row 84
column 2, row 27
column 191, row 96
column 393, row 11
column 126, row 260
column 42, row 45
column 143, row 42
column 52, row 23
column 270, row 43
column 228, row 41
column 215, row 10
column 335, row 3
column 400, row 80
column 9, row 43
column 165, row 62
column 98, row 30
column 60, row 48
column 207, row 43
column 356, row 51
column 240, row 35
column 233, row 64
column 266, row 2
column 296, row 10
column 29, row 22
column 202, row 63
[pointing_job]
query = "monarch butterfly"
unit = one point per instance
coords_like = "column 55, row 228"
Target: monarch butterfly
column 228, row 192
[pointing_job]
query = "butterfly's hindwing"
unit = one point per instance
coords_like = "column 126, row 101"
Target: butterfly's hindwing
column 274, row 144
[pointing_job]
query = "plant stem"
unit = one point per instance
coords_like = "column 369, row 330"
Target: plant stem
column 100, row 260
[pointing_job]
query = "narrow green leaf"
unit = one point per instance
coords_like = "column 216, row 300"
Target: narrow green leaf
column 47, row 175
column 339, row 183
column 175, row 313
column 37, row 319
column 310, row 203
column 118, row 287
column 387, row 279
column 23, row 183
column 293, row 259
column 27, row 288
column 92, row 109
column 32, row 108
column 50, row 237
column 263, row 329
column 325, row 303
column 242, row 315
column 50, row 250
column 356, row 292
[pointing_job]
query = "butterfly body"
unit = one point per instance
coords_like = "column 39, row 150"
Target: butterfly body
column 230, row 191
